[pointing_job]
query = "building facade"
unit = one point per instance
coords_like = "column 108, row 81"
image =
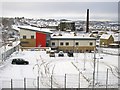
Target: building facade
column 76, row 44
column 106, row 40
column 67, row 26
column 34, row 37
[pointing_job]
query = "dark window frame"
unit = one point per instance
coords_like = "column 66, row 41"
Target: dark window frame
column 76, row 43
column 53, row 43
column 91, row 43
column 24, row 37
column 67, row 43
column 32, row 36
column 61, row 43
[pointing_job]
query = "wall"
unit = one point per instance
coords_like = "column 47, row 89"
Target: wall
column 72, row 42
column 84, row 45
column 28, row 33
column 106, row 41
column 28, row 42
column 8, row 52
column 40, row 39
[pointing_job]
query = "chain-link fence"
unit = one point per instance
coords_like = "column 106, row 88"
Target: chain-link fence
column 82, row 80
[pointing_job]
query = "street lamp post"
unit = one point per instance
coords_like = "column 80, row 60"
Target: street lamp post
column 97, row 68
column 94, row 68
column 84, row 59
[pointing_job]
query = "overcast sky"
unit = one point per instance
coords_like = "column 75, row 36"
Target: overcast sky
column 59, row 10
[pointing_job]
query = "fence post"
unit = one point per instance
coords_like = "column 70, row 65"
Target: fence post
column 65, row 82
column 11, row 84
column 106, row 79
column 24, row 83
column 51, row 82
column 38, row 83
column 79, row 81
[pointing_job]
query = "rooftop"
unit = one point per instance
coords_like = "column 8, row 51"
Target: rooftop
column 46, row 30
column 105, row 36
column 15, row 28
column 72, row 38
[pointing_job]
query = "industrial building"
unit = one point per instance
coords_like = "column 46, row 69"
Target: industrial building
column 34, row 37
column 67, row 26
column 74, row 43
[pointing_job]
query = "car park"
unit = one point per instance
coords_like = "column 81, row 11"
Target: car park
column 19, row 61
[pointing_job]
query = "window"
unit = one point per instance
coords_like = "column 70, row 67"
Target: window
column 24, row 36
column 61, row 43
column 67, row 43
column 76, row 43
column 53, row 43
column 91, row 43
column 32, row 36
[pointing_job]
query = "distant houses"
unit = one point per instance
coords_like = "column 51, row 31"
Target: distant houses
column 106, row 40
column 41, row 37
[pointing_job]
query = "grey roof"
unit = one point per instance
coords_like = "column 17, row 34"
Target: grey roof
column 44, row 30
column 72, row 38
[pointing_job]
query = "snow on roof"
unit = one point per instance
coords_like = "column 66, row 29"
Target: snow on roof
column 46, row 30
column 105, row 36
column 53, row 24
column 113, row 44
column 72, row 38
column 116, row 38
column 15, row 28
column 68, row 21
column 2, row 49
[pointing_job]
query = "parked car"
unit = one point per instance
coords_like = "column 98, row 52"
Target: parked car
column 61, row 54
column 55, row 49
column 48, row 50
column 70, row 53
column 19, row 61
column 52, row 53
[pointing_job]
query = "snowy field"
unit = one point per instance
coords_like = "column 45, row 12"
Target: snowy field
column 78, row 70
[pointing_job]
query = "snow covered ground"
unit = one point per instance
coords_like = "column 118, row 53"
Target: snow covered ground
column 113, row 51
column 40, row 64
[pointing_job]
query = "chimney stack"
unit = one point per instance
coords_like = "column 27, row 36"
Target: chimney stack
column 87, row 22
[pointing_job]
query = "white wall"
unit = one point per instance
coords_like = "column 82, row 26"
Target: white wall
column 72, row 42
column 85, row 42
column 28, row 33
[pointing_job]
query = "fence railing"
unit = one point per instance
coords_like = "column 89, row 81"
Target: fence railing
column 104, row 80
column 6, row 52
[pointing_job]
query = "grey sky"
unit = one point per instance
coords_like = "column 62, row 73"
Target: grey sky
column 58, row 10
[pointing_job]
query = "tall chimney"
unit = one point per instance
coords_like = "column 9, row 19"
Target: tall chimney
column 87, row 23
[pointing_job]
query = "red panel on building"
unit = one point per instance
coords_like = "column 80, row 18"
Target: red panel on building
column 40, row 39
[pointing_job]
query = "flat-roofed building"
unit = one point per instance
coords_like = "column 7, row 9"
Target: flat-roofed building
column 74, row 43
